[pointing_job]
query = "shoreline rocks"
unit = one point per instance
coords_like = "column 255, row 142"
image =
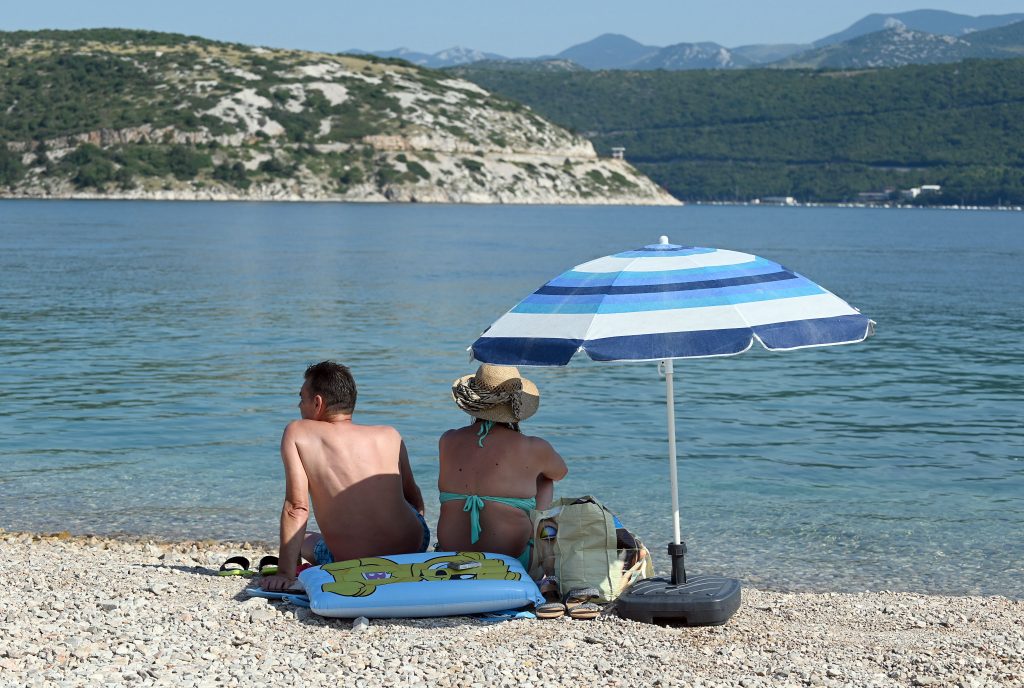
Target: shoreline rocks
column 80, row 610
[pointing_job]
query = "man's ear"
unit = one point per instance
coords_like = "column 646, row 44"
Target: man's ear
column 318, row 404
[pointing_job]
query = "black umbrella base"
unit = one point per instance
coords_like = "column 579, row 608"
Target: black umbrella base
column 700, row 601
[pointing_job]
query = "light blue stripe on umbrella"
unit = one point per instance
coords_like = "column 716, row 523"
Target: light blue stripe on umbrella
column 662, row 301
column 695, row 274
column 784, row 285
column 684, row 298
column 713, row 283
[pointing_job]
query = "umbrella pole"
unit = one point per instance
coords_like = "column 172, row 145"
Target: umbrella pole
column 676, row 549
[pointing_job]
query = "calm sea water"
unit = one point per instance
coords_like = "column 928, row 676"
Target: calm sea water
column 151, row 353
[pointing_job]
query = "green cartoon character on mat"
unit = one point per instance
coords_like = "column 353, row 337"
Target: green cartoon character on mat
column 361, row 577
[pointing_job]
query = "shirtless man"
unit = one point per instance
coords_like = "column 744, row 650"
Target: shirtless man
column 364, row 496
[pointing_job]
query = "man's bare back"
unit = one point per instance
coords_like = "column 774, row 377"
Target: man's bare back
column 359, row 480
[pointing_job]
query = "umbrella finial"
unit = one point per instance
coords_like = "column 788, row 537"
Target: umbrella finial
column 663, row 239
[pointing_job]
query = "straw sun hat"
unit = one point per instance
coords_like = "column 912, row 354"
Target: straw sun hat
column 497, row 393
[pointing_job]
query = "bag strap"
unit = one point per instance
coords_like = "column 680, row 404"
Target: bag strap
column 635, row 572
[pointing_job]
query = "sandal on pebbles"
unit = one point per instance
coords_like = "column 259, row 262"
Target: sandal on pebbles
column 579, row 603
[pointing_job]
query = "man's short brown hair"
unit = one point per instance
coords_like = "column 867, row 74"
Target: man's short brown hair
column 334, row 383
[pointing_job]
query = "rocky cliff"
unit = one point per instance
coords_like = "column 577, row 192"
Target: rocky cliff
column 107, row 113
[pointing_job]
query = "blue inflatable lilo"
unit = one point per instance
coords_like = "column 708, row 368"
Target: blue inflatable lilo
column 419, row 585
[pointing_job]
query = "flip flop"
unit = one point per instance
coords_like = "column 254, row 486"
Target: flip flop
column 550, row 610
column 548, row 586
column 267, row 565
column 586, row 610
column 578, row 596
column 235, row 566
column 579, row 604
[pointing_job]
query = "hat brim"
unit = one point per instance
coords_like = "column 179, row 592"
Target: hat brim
column 502, row 413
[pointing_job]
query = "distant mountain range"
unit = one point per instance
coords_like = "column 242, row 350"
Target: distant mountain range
column 898, row 45
column 927, row 21
column 877, row 40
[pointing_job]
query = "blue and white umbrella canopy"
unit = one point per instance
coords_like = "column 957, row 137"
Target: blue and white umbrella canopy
column 665, row 301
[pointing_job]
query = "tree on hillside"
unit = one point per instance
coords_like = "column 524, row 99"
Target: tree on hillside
column 11, row 168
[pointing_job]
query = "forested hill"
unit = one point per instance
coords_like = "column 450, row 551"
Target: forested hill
column 813, row 135
column 138, row 114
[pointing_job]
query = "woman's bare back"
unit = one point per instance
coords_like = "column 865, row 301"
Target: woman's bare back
column 509, row 464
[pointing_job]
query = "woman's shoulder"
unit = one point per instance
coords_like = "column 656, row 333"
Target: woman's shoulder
column 452, row 434
column 534, row 439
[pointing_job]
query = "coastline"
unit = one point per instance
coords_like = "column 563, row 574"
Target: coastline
column 884, row 206
column 219, row 197
column 411, row 199
column 84, row 610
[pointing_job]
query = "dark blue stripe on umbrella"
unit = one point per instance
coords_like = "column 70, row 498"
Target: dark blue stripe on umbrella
column 647, row 347
column 666, row 301
column 675, row 286
column 790, row 335
column 525, row 350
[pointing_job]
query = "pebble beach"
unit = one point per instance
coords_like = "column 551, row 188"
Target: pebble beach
column 96, row 611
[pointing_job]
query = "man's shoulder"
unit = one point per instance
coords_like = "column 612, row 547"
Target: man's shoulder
column 304, row 427
column 382, row 431
column 299, row 425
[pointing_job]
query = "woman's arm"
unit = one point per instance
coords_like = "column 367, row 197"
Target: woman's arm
column 545, row 492
column 554, row 466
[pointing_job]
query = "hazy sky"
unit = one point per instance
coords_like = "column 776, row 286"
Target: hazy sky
column 516, row 28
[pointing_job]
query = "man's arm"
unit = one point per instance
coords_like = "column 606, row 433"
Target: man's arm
column 409, row 487
column 294, row 513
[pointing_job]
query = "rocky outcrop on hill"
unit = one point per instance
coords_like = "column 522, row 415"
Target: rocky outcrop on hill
column 140, row 115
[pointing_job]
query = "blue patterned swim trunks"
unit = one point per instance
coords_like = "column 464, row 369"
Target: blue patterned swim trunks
column 322, row 555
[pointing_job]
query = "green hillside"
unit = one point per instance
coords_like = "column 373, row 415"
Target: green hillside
column 138, row 114
column 815, row 135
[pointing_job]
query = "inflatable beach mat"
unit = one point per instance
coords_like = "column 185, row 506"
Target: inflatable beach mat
column 419, row 585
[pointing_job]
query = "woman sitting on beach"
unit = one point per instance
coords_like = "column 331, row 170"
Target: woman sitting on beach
column 492, row 475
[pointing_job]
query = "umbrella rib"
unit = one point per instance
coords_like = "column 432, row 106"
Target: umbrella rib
column 597, row 313
column 746, row 322
column 739, row 314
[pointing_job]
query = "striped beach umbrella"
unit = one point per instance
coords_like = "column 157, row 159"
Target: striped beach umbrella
column 663, row 302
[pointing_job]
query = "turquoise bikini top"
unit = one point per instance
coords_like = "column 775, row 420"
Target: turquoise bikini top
column 475, row 503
